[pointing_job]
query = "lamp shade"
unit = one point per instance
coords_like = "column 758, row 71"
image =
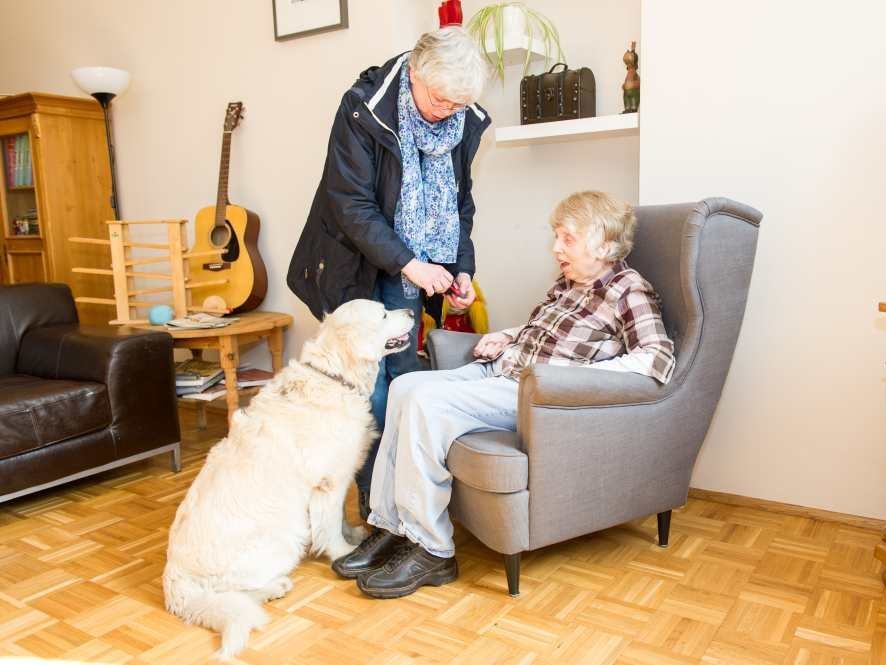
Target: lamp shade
column 97, row 80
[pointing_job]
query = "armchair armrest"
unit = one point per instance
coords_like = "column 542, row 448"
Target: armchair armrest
column 603, row 448
column 552, row 385
column 450, row 350
column 137, row 368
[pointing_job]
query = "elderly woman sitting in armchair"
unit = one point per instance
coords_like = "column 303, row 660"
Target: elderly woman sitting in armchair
column 600, row 313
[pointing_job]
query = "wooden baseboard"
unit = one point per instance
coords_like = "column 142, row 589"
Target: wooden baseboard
column 788, row 509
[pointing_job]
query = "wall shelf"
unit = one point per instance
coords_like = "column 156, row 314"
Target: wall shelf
column 515, row 47
column 607, row 125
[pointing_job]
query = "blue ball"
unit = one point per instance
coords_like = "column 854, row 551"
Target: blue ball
column 160, row 314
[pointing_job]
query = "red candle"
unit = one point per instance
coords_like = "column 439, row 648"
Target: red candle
column 450, row 13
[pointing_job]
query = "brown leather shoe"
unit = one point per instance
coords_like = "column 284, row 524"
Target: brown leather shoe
column 409, row 568
column 375, row 549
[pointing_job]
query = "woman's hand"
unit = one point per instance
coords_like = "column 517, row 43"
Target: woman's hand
column 491, row 345
column 466, row 296
column 432, row 278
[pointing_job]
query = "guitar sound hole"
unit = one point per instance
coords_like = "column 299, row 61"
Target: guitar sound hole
column 220, row 235
column 224, row 236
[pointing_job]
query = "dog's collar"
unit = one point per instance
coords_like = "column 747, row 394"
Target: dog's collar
column 335, row 377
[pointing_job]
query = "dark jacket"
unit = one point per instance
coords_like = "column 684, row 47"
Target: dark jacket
column 349, row 235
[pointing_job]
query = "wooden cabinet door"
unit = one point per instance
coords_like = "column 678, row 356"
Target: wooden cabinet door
column 23, row 245
column 25, row 260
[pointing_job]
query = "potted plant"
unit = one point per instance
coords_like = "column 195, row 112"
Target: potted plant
column 510, row 20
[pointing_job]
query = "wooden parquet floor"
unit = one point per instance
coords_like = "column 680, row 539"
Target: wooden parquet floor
column 80, row 570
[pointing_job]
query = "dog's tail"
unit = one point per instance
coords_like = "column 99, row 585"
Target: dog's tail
column 232, row 613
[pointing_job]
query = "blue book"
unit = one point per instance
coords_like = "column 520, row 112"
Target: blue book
column 18, row 161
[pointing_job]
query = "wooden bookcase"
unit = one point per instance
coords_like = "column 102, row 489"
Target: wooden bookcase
column 67, row 193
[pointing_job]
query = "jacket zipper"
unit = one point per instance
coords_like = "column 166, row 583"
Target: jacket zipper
column 378, row 120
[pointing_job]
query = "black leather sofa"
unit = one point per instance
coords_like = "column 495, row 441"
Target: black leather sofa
column 76, row 400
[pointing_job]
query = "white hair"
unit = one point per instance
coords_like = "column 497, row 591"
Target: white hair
column 449, row 61
column 587, row 213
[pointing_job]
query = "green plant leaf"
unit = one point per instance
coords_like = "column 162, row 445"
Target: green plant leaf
column 492, row 16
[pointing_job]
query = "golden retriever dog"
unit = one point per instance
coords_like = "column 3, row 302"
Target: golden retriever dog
column 274, row 488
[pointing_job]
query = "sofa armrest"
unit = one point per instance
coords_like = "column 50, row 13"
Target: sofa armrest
column 552, row 385
column 450, row 350
column 137, row 368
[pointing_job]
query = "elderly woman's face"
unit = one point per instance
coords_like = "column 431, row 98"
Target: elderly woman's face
column 431, row 105
column 581, row 257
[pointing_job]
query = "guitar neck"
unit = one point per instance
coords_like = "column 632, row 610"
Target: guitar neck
column 224, row 167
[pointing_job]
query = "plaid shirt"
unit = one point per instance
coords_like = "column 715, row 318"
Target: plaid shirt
column 574, row 325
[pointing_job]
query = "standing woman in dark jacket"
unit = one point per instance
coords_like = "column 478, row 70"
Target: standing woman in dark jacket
column 393, row 213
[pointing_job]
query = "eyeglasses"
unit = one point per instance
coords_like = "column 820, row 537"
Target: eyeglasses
column 439, row 104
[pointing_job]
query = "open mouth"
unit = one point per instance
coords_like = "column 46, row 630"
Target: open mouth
column 398, row 343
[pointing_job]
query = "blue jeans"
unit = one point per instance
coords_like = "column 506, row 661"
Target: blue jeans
column 389, row 292
column 427, row 411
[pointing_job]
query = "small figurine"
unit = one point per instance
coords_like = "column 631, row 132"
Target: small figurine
column 631, row 85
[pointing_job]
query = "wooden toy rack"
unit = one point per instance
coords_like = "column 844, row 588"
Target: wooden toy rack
column 124, row 274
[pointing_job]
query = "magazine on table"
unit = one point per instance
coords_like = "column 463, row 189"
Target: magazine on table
column 201, row 320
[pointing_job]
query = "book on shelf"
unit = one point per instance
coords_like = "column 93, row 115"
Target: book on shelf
column 249, row 377
column 181, row 390
column 195, row 373
column 17, row 153
column 9, row 150
column 206, row 395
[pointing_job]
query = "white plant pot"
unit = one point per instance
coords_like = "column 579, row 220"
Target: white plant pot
column 514, row 21
column 516, row 40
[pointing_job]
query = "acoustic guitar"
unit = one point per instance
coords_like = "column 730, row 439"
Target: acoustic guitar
column 238, row 274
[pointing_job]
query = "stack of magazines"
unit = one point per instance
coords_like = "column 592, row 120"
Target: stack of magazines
column 195, row 376
column 247, row 377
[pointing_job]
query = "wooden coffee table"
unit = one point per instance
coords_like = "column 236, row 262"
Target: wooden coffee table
column 251, row 327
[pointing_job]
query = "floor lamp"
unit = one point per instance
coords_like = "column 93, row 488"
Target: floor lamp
column 105, row 83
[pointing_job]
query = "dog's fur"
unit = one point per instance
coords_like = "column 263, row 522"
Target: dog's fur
column 275, row 486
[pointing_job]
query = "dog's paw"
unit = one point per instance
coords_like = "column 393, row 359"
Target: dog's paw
column 354, row 534
column 279, row 588
column 338, row 551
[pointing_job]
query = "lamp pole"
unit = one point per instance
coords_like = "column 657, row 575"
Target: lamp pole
column 104, row 98
column 105, row 83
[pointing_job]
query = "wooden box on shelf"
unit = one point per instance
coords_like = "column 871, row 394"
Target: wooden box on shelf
column 55, row 183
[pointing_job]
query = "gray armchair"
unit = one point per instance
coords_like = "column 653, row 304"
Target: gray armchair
column 595, row 449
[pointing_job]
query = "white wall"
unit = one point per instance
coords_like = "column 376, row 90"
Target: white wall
column 781, row 105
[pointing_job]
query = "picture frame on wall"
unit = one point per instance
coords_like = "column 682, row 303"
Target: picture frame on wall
column 302, row 18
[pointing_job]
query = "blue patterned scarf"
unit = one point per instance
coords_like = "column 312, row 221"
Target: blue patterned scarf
column 427, row 218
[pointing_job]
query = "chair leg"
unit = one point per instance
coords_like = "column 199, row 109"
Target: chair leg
column 664, row 528
column 176, row 458
column 512, row 568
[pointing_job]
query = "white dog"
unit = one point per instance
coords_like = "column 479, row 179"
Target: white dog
column 275, row 486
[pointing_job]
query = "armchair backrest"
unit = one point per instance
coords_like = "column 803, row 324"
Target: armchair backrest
column 26, row 306
column 699, row 257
